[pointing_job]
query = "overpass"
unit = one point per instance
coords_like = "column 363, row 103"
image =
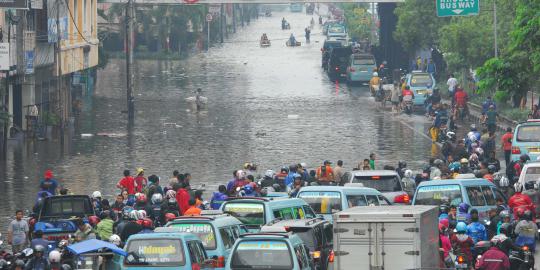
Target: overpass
column 182, row 2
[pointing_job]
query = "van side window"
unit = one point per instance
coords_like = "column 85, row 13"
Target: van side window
column 308, row 212
column 329, row 234
column 372, row 200
column 301, row 256
column 195, row 252
column 383, row 200
column 356, row 200
column 227, row 237
column 498, row 194
column 299, row 212
column 236, row 232
column 488, row 195
column 475, row 196
column 283, row 213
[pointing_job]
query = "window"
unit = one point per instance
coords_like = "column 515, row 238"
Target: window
column 372, row 200
column 75, row 13
column 308, row 211
column 284, row 213
column 262, row 254
column 196, row 252
column 438, row 194
column 329, row 234
column 299, row 212
column 308, row 237
column 498, row 194
column 421, row 80
column 385, row 183
column 475, row 196
column 155, row 252
column 85, row 16
column 488, row 195
column 227, row 237
column 300, row 253
column 356, row 200
column 529, row 133
column 247, row 213
column 204, row 231
column 322, row 202
column 383, row 200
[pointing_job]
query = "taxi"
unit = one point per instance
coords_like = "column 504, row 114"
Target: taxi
column 422, row 84
column 526, row 140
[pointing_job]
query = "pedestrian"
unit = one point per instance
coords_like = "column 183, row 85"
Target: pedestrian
column 38, row 240
column 140, row 180
column 174, row 179
column 372, row 161
column 182, row 198
column 127, row 183
column 487, row 103
column 338, row 171
column 490, row 118
column 506, row 144
column 154, row 186
column 104, row 228
column 219, row 197
column 84, row 231
column 394, row 98
column 193, row 210
column 365, row 165
column 452, row 84
column 431, row 67
column 325, row 173
column 48, row 183
column 535, row 113
column 18, row 233
column 419, row 63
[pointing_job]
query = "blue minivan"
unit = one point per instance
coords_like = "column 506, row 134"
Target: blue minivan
column 270, row 251
column 254, row 212
column 216, row 232
column 361, row 67
column 422, row 84
column 178, row 251
column 526, row 140
column 480, row 194
column 327, row 200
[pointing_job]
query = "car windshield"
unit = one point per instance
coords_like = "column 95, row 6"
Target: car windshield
column 421, row 80
column 363, row 61
column 247, row 213
column 529, row 133
column 532, row 174
column 330, row 45
column 336, row 29
column 66, row 207
column 308, row 238
column 155, row 252
column 437, row 195
column 204, row 231
column 322, row 202
column 383, row 183
column 262, row 254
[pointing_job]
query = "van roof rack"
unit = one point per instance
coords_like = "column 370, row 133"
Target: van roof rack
column 195, row 217
column 250, row 198
column 285, row 235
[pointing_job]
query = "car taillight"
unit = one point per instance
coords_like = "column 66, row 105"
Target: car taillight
column 460, row 259
column 404, row 198
column 220, row 262
column 195, row 266
column 516, row 150
column 337, row 68
column 331, row 257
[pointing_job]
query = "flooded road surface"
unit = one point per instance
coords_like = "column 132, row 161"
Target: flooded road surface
column 273, row 106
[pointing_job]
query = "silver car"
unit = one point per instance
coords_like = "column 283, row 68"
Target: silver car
column 386, row 181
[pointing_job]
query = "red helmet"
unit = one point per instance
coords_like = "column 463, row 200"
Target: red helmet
column 147, row 223
column 169, row 217
column 141, row 198
column 93, row 220
column 140, row 221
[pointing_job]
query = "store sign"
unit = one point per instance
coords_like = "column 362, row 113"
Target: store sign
column 29, row 57
column 19, row 4
column 36, row 4
column 4, row 56
column 51, row 29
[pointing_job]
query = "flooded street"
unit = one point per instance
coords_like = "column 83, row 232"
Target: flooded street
column 273, row 106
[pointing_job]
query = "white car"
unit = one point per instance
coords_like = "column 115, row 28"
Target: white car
column 530, row 173
column 385, row 181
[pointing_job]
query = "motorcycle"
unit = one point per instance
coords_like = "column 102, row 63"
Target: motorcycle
column 265, row 43
column 296, row 44
column 408, row 105
column 285, row 26
column 521, row 259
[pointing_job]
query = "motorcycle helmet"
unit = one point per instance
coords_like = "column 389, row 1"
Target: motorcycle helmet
column 443, row 209
column 248, row 189
column 491, row 168
column 96, row 195
column 19, row 263
column 463, row 207
column 169, row 217
column 463, row 161
column 426, row 168
column 141, row 198
column 157, row 198
column 130, row 201
column 141, row 214
column 170, row 194
column 303, row 165
column 297, row 176
column 93, row 220
column 450, row 134
column 454, row 166
column 524, row 158
column 63, row 243
column 402, row 164
column 375, row 74
column 115, row 240
column 126, row 212
column 479, row 151
column 438, row 162
column 498, row 239
column 518, row 187
column 527, row 215
column 505, row 228
column 55, row 256
column 147, row 223
column 473, row 127
column 408, row 174
column 504, row 182
column 240, row 174
column 66, row 267
column 284, row 170
column 269, row 174
column 39, row 248
column 461, row 227
column 133, row 215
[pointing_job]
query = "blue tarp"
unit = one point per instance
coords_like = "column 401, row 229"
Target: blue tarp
column 93, row 245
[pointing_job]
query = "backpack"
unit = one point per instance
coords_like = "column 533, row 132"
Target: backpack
column 323, row 171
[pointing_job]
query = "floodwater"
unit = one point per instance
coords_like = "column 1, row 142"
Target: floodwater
column 272, row 106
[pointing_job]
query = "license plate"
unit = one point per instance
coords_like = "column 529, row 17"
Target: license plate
column 533, row 150
column 342, row 75
column 421, row 92
column 461, row 266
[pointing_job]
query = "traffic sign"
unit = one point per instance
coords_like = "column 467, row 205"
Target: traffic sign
column 208, row 17
column 447, row 8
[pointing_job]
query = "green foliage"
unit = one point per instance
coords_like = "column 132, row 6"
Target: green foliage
column 526, row 32
column 359, row 21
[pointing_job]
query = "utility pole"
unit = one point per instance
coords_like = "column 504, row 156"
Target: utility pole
column 495, row 44
column 6, row 96
column 208, row 32
column 221, row 24
column 58, row 59
column 234, row 18
column 129, row 60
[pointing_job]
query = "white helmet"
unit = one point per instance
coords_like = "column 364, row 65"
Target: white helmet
column 504, row 182
column 134, row 215
column 115, row 239
column 96, row 195
column 55, row 256
column 408, row 174
column 269, row 173
column 170, row 194
column 450, row 134
column 141, row 214
column 472, row 137
column 375, row 74
column 157, row 198
column 518, row 187
column 304, row 165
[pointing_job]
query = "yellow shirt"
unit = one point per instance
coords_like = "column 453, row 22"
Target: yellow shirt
column 375, row 81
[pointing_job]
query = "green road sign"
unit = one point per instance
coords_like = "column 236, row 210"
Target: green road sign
column 447, row 8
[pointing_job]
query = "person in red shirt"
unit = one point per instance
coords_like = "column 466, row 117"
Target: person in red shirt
column 520, row 200
column 182, row 198
column 407, row 92
column 506, row 146
column 462, row 243
column 461, row 98
column 127, row 183
column 494, row 258
column 140, row 180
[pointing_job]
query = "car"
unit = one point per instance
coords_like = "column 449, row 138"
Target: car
column 526, row 140
column 480, row 194
column 327, row 200
column 166, row 250
column 270, row 251
column 217, row 232
column 421, row 84
column 316, row 233
column 56, row 215
column 336, row 31
column 361, row 67
column 329, row 23
column 257, row 211
column 327, row 46
column 338, row 60
column 385, row 181
column 530, row 180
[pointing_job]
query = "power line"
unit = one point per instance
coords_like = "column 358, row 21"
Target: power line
column 75, row 24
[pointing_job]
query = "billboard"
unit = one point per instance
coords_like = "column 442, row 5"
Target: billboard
column 4, row 56
column 14, row 4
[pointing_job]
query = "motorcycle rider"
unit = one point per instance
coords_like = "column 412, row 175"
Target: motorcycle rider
column 460, row 101
column 170, row 205
column 526, row 231
column 308, row 34
column 402, row 166
column 463, row 213
column 476, row 230
column 264, row 38
column 462, row 243
column 268, row 179
column 325, row 174
column 375, row 83
column 520, row 200
column 292, row 40
column 104, row 228
column 132, row 227
column 38, row 261
column 409, row 185
column 155, row 212
column 218, row 197
column 296, row 185
column 407, row 95
column 283, row 23
column 465, row 169
column 435, row 170
column 494, row 258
